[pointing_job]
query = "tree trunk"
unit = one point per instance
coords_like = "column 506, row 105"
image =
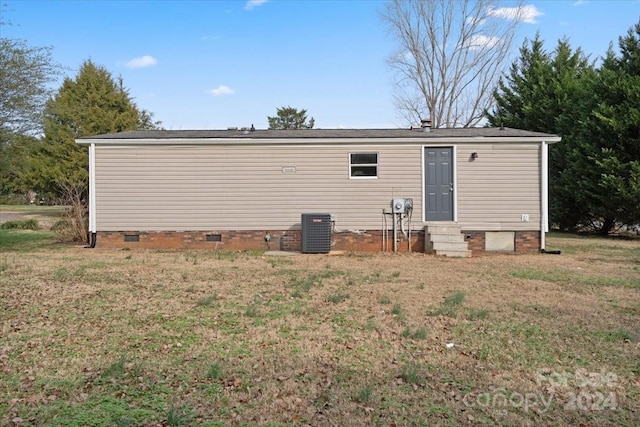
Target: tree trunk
column 607, row 225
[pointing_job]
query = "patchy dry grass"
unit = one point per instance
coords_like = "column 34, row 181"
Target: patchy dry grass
column 174, row 338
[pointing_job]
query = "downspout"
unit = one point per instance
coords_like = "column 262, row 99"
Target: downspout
column 92, row 197
column 544, row 202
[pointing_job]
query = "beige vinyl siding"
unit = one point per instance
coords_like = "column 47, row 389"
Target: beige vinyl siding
column 499, row 186
column 233, row 187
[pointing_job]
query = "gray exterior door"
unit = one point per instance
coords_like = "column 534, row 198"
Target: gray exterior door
column 438, row 183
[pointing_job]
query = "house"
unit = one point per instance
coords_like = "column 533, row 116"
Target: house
column 449, row 191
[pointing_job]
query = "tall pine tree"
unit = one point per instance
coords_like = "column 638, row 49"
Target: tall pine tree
column 612, row 130
column 549, row 92
column 521, row 96
column 595, row 170
column 92, row 103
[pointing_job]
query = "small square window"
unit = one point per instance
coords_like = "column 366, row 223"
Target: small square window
column 363, row 165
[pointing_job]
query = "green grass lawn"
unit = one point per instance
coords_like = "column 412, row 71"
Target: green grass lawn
column 25, row 240
column 104, row 337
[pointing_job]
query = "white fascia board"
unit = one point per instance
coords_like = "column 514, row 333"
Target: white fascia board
column 317, row 141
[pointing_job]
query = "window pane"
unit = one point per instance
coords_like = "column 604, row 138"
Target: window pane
column 364, row 158
column 364, row 171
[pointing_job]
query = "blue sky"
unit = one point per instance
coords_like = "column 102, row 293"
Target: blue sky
column 215, row 64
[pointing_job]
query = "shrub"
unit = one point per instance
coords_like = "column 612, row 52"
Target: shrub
column 60, row 225
column 27, row 224
column 75, row 219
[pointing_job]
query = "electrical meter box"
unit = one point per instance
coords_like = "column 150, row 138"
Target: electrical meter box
column 398, row 206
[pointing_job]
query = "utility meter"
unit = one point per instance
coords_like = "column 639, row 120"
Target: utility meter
column 398, row 206
column 408, row 205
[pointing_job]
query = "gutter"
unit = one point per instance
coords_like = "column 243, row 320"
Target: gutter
column 432, row 141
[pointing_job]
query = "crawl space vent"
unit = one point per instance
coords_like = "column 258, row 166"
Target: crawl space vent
column 316, row 233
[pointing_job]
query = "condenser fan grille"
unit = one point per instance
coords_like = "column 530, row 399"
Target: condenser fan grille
column 316, row 233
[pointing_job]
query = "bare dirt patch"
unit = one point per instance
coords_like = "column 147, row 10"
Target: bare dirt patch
column 112, row 337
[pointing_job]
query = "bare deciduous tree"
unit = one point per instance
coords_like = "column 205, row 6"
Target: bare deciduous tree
column 450, row 56
column 25, row 74
column 74, row 224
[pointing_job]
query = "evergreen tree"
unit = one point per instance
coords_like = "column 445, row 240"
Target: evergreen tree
column 612, row 130
column 595, row 170
column 521, row 95
column 549, row 92
column 15, row 165
column 290, row 118
column 92, row 103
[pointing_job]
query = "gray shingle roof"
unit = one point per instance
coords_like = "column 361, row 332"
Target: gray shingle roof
column 323, row 133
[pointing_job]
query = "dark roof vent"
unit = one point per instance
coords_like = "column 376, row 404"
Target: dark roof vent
column 426, row 125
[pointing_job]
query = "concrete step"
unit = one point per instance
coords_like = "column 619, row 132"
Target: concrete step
column 446, row 240
column 449, row 246
column 449, row 238
column 442, row 229
column 442, row 241
column 455, row 254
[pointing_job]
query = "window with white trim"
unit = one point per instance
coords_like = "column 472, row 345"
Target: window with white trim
column 363, row 165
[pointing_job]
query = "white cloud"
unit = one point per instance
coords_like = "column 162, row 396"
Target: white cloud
column 141, row 62
column 479, row 42
column 221, row 90
column 254, row 3
column 527, row 13
column 580, row 2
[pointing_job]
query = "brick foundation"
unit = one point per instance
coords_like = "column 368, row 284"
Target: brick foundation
column 230, row 240
column 475, row 241
column 290, row 240
column 525, row 241
column 371, row 241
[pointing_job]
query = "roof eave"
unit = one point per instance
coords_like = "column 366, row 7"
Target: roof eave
column 549, row 139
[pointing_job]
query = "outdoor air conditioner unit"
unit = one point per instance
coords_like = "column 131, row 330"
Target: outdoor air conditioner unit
column 316, row 233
